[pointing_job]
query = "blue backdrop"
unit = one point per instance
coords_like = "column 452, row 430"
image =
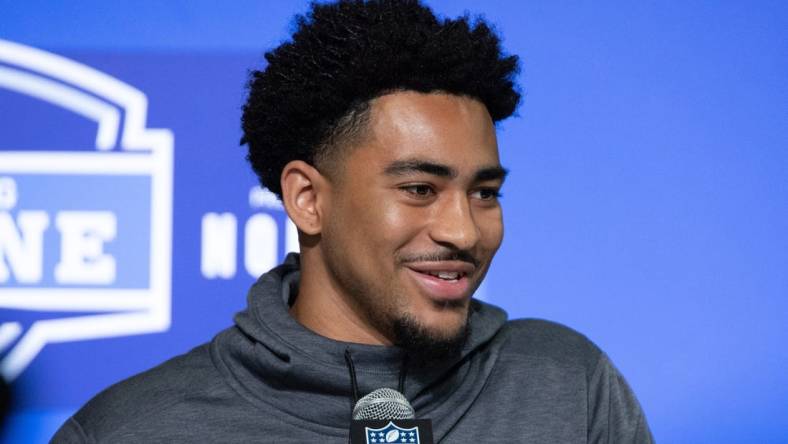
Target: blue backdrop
column 647, row 204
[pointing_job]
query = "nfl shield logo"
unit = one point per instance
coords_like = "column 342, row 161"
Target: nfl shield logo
column 392, row 433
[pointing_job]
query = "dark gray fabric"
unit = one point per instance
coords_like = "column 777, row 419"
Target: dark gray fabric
column 268, row 379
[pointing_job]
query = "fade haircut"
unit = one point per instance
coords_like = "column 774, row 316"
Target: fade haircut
column 313, row 96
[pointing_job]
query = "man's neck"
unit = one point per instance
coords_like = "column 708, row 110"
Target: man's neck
column 322, row 307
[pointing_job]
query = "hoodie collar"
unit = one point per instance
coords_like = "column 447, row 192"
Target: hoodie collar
column 276, row 362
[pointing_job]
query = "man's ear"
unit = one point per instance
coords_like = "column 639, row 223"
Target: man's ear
column 303, row 193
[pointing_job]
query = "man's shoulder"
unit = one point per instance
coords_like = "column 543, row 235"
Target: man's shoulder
column 542, row 339
column 180, row 382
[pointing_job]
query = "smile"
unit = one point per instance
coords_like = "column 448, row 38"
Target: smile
column 442, row 281
column 447, row 275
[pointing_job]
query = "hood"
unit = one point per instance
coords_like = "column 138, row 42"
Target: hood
column 287, row 369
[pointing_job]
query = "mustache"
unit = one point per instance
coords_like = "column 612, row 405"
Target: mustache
column 438, row 256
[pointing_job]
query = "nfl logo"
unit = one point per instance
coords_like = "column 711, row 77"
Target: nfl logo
column 392, row 433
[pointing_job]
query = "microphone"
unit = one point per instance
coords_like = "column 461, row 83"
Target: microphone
column 383, row 403
column 386, row 416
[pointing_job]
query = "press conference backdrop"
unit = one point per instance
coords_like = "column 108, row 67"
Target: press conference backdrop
column 647, row 204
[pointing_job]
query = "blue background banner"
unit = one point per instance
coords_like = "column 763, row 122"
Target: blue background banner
column 647, row 204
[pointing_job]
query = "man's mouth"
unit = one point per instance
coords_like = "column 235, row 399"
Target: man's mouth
column 442, row 281
column 447, row 275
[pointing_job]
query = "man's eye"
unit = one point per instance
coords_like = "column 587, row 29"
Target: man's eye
column 487, row 194
column 419, row 190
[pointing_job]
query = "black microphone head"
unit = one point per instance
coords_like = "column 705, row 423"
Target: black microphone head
column 383, row 403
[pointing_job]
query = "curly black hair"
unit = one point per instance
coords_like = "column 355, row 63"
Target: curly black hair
column 314, row 93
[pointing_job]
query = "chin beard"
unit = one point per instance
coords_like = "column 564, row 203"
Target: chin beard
column 425, row 348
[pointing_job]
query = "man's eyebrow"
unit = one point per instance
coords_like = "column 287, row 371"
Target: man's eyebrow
column 491, row 173
column 405, row 167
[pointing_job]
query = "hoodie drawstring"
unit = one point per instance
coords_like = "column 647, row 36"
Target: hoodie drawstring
column 353, row 382
column 403, row 372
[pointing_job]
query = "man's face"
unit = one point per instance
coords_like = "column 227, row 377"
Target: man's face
column 414, row 218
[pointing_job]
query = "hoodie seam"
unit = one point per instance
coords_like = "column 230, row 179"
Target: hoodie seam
column 479, row 393
column 85, row 436
column 470, row 357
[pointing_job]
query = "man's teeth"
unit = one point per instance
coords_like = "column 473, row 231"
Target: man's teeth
column 447, row 275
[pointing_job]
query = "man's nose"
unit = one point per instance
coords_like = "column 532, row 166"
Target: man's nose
column 454, row 224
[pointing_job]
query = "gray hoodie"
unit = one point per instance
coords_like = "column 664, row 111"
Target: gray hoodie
column 269, row 379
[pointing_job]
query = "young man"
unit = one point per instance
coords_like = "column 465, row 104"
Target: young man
column 376, row 127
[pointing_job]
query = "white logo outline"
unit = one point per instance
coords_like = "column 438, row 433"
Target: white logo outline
column 413, row 431
column 64, row 83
